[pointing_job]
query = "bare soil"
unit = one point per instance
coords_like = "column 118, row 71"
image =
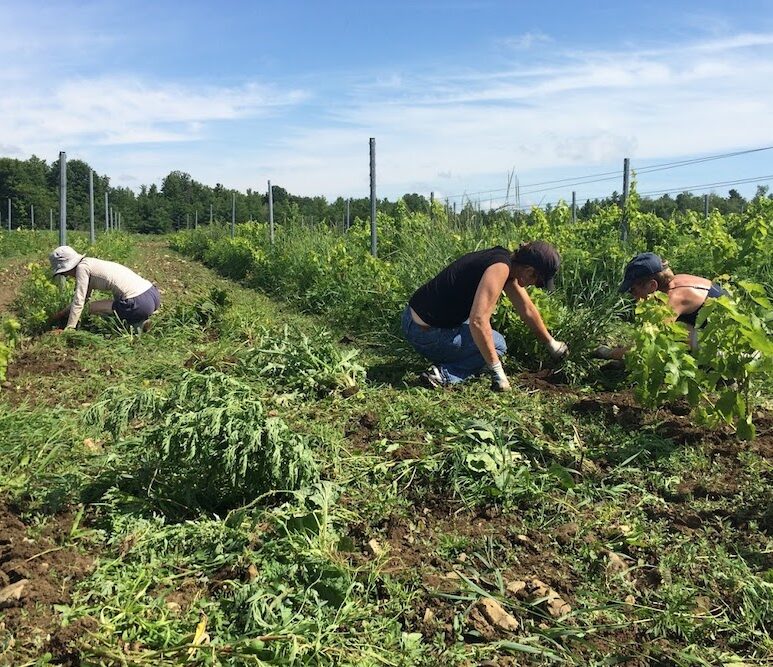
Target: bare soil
column 415, row 548
column 51, row 567
column 33, row 376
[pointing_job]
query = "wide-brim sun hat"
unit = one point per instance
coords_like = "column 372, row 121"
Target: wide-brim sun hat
column 64, row 259
column 645, row 264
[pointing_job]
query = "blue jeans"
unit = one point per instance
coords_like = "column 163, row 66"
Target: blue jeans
column 453, row 351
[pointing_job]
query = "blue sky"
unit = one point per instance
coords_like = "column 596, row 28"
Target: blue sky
column 457, row 94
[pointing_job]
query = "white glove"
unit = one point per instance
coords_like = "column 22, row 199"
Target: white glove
column 557, row 349
column 499, row 379
column 603, row 352
column 606, row 352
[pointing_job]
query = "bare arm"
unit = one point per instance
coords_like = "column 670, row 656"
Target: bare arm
column 527, row 311
column 486, row 297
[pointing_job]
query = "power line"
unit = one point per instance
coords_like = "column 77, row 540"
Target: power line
column 701, row 186
column 708, row 158
column 559, row 187
column 706, row 186
column 575, row 180
column 610, row 175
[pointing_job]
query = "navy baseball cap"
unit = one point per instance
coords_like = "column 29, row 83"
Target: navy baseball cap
column 645, row 264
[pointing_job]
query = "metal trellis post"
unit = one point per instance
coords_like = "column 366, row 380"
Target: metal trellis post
column 626, row 180
column 271, row 212
column 373, row 233
column 233, row 215
column 62, row 198
column 92, row 231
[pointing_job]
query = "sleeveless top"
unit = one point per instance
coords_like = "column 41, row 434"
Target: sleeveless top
column 711, row 293
column 446, row 300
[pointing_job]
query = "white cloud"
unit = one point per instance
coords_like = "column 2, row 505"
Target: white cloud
column 129, row 110
column 535, row 105
column 582, row 109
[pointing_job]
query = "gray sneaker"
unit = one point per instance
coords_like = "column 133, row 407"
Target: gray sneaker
column 433, row 378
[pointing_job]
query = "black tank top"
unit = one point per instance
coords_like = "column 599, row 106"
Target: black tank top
column 446, row 300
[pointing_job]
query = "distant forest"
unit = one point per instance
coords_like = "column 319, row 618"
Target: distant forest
column 175, row 205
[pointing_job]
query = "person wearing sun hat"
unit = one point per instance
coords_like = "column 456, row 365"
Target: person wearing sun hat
column 647, row 273
column 448, row 319
column 134, row 298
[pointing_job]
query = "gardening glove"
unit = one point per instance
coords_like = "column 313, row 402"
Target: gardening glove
column 557, row 349
column 499, row 379
column 603, row 352
column 609, row 353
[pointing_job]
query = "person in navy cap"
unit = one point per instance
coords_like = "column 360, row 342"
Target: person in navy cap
column 448, row 319
column 648, row 273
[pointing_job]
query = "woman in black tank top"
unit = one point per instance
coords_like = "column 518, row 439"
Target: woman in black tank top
column 448, row 319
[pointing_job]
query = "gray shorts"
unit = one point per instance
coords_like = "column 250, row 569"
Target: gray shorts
column 140, row 308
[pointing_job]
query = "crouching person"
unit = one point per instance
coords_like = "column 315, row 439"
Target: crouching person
column 648, row 273
column 448, row 319
column 134, row 298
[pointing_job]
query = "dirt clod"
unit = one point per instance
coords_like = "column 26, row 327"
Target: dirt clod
column 494, row 615
column 375, row 549
column 536, row 590
column 515, row 587
column 566, row 532
column 616, row 565
column 12, row 593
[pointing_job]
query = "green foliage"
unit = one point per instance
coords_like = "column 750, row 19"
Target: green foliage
column 24, row 242
column 736, row 347
column 9, row 338
column 323, row 271
column 206, row 311
column 487, row 466
column 211, row 440
column 313, row 365
column 40, row 297
column 591, row 319
column 734, row 350
column 434, row 499
column 480, row 464
column 660, row 363
column 280, row 591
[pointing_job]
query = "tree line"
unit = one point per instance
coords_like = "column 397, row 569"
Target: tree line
column 180, row 199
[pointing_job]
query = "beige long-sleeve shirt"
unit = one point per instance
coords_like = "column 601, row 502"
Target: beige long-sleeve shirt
column 98, row 274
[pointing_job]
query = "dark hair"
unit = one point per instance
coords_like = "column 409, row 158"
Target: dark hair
column 542, row 257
